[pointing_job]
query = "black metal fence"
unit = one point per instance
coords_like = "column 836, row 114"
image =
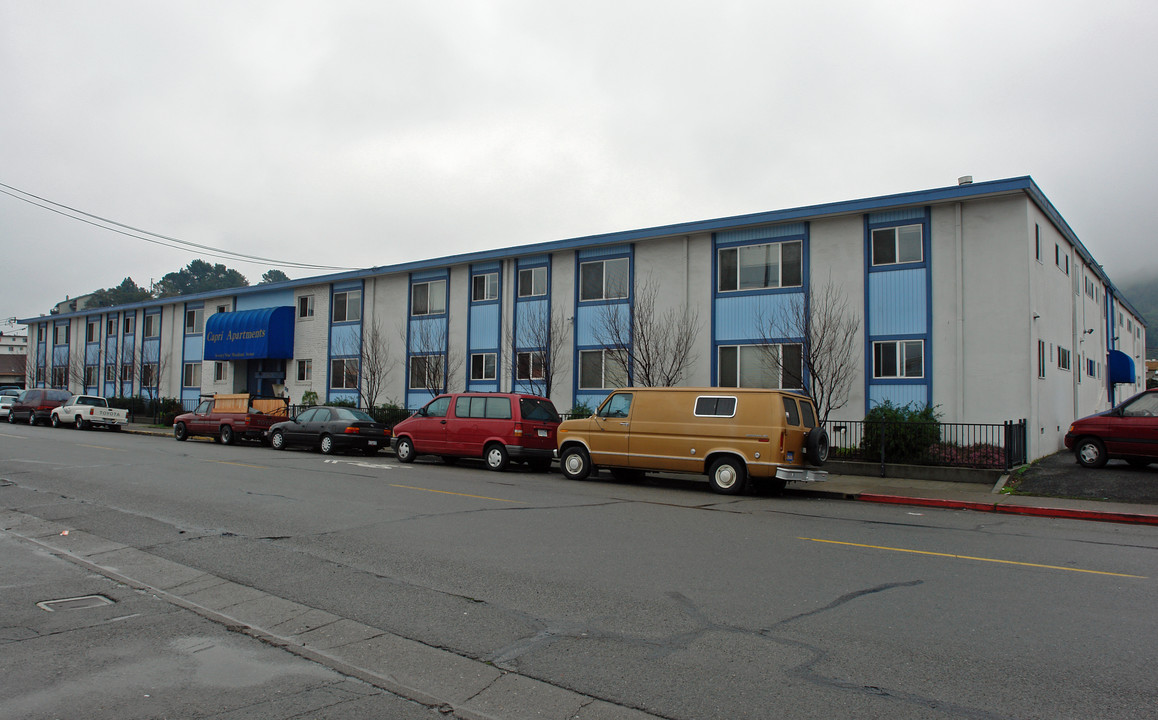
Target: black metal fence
column 977, row 445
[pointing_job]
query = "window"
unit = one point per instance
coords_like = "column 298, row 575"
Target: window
column 425, row 372
column 1063, row 358
column 111, row 326
column 1041, row 358
column 60, row 334
column 1067, row 268
column 897, row 245
column 152, row 325
column 600, row 369
column 899, row 359
column 529, row 366
column 90, row 375
column 603, row 279
column 762, row 366
column 437, row 407
column 485, row 287
column 533, row 282
column 1057, row 254
column 194, row 321
column 791, row 411
column 149, row 375
column 617, row 406
column 305, row 306
column 40, row 376
column 1091, row 371
column 495, row 408
column 344, row 373
column 110, row 373
column 92, row 331
column 305, row 370
column 348, row 306
column 1037, row 241
column 191, row 377
column 127, row 372
column 39, row 333
column 58, row 377
column 130, row 323
column 482, row 366
column 428, row 298
column 757, row 267
column 222, row 308
column 715, row 406
column 219, row 371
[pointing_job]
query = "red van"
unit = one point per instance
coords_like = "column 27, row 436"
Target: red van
column 498, row 427
column 36, row 405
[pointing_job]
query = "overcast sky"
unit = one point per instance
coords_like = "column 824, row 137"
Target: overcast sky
column 357, row 134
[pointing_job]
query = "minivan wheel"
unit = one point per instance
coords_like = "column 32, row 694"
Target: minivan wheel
column 728, row 476
column 32, row 418
column 404, row 450
column 574, row 463
column 1091, row 452
column 497, row 457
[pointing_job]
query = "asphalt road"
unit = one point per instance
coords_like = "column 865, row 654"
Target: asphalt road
column 658, row 596
column 1060, row 475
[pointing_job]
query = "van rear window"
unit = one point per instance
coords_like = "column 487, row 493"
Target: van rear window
column 807, row 414
column 791, row 411
column 533, row 409
column 713, row 406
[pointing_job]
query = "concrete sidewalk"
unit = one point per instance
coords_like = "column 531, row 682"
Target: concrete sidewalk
column 927, row 493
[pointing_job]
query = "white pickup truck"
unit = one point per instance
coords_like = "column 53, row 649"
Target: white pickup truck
column 83, row 411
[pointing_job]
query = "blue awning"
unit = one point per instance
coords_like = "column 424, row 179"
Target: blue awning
column 1121, row 367
column 250, row 334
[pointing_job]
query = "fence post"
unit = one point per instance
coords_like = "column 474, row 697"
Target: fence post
column 1008, row 444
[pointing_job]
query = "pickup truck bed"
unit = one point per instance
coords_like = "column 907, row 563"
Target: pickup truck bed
column 85, row 411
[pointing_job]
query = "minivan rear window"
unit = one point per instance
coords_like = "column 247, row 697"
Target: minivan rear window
column 791, row 411
column 713, row 406
column 494, row 408
column 535, row 409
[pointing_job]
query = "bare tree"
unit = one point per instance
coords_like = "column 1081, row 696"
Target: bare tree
column 431, row 363
column 376, row 359
column 537, row 348
column 829, row 332
column 653, row 346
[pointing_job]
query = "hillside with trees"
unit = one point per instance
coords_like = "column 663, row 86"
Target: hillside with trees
column 198, row 276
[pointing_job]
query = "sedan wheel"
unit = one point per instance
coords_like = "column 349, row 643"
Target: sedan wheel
column 277, row 440
column 327, row 445
column 55, row 421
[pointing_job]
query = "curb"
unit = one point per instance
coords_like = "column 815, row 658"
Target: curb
column 995, row 507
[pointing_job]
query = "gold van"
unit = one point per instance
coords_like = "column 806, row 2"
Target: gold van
column 729, row 434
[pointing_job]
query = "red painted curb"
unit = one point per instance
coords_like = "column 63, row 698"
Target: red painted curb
column 1128, row 518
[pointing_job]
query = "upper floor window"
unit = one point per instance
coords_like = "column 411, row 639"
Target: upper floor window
column 1037, row 242
column 39, row 333
column 194, row 321
column 485, row 287
column 60, row 334
column 305, row 306
column 92, row 331
column 483, row 366
column 222, row 308
column 130, row 324
column 758, row 267
column 428, row 298
column 899, row 359
column 533, row 282
column 603, row 279
column 896, row 245
column 761, row 366
column 111, row 326
column 152, row 325
column 1063, row 358
column 347, row 306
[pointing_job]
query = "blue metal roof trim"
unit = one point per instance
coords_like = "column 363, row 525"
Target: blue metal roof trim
column 250, row 334
column 1121, row 368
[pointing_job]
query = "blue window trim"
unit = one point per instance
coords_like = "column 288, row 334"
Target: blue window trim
column 546, row 297
column 336, row 288
column 485, row 269
column 629, row 301
column 476, row 270
column 415, row 278
column 926, row 249
column 580, row 262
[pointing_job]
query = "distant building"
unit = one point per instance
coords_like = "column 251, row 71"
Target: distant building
column 977, row 298
column 13, row 355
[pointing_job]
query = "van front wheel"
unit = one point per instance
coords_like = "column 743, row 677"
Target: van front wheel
column 574, row 463
column 728, row 476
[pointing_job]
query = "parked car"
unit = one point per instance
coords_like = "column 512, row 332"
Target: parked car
column 85, row 411
column 498, row 427
column 729, row 434
column 34, row 406
column 1128, row 432
column 10, row 390
column 330, row 429
column 225, row 418
column 6, row 403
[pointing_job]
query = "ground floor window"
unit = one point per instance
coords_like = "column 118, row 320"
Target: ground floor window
column 899, row 359
column 219, row 371
column 305, row 370
column 529, row 366
column 483, row 366
column 90, row 375
column 344, row 374
column 59, row 377
column 601, row 370
column 191, row 377
column 426, row 372
column 149, row 375
column 762, row 366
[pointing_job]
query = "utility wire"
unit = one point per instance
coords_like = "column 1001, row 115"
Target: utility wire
column 156, row 238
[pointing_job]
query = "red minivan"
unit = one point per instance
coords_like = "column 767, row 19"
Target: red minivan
column 497, row 427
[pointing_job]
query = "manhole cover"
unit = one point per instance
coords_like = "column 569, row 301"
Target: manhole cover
column 86, row 602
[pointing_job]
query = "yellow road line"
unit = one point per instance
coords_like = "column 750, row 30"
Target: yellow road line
column 968, row 557
column 98, row 447
column 444, row 492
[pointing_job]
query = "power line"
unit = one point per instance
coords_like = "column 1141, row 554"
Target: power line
column 156, row 238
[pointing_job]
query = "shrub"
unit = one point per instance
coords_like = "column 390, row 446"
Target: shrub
column 309, row 397
column 580, row 410
column 906, row 432
column 977, row 455
column 343, row 402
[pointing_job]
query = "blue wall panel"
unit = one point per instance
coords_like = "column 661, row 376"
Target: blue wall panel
column 588, row 319
column 604, row 251
column 898, row 302
column 257, row 301
column 484, row 326
column 738, row 317
column 897, row 216
column 529, row 314
column 194, row 348
column 760, row 233
column 898, row 395
column 435, row 330
column 345, row 340
column 92, row 354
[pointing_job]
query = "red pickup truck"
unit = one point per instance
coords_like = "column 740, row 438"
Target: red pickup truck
column 225, row 418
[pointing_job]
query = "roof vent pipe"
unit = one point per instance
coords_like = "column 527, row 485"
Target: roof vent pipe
column 965, row 180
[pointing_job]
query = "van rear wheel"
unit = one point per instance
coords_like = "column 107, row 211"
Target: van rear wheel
column 728, row 476
column 575, row 463
column 497, row 457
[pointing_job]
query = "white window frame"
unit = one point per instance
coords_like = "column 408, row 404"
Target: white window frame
column 532, row 282
column 305, row 370
column 901, row 349
column 733, row 282
column 350, row 304
column 611, row 376
column 1063, row 358
column 149, row 375
column 344, row 377
column 191, row 375
column 484, row 287
column 531, row 361
column 484, row 366
column 197, row 326
column 130, row 325
column 430, row 364
column 756, row 353
column 111, row 373
column 433, row 293
column 603, row 291
column 1041, row 358
column 56, row 333
column 59, row 378
column 152, row 327
column 92, row 331
column 896, row 231
column 111, row 324
column 305, row 305
column 220, row 371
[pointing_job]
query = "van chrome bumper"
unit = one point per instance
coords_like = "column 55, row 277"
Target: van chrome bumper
column 793, row 475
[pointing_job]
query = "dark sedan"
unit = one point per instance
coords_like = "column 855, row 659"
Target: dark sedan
column 331, row 429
